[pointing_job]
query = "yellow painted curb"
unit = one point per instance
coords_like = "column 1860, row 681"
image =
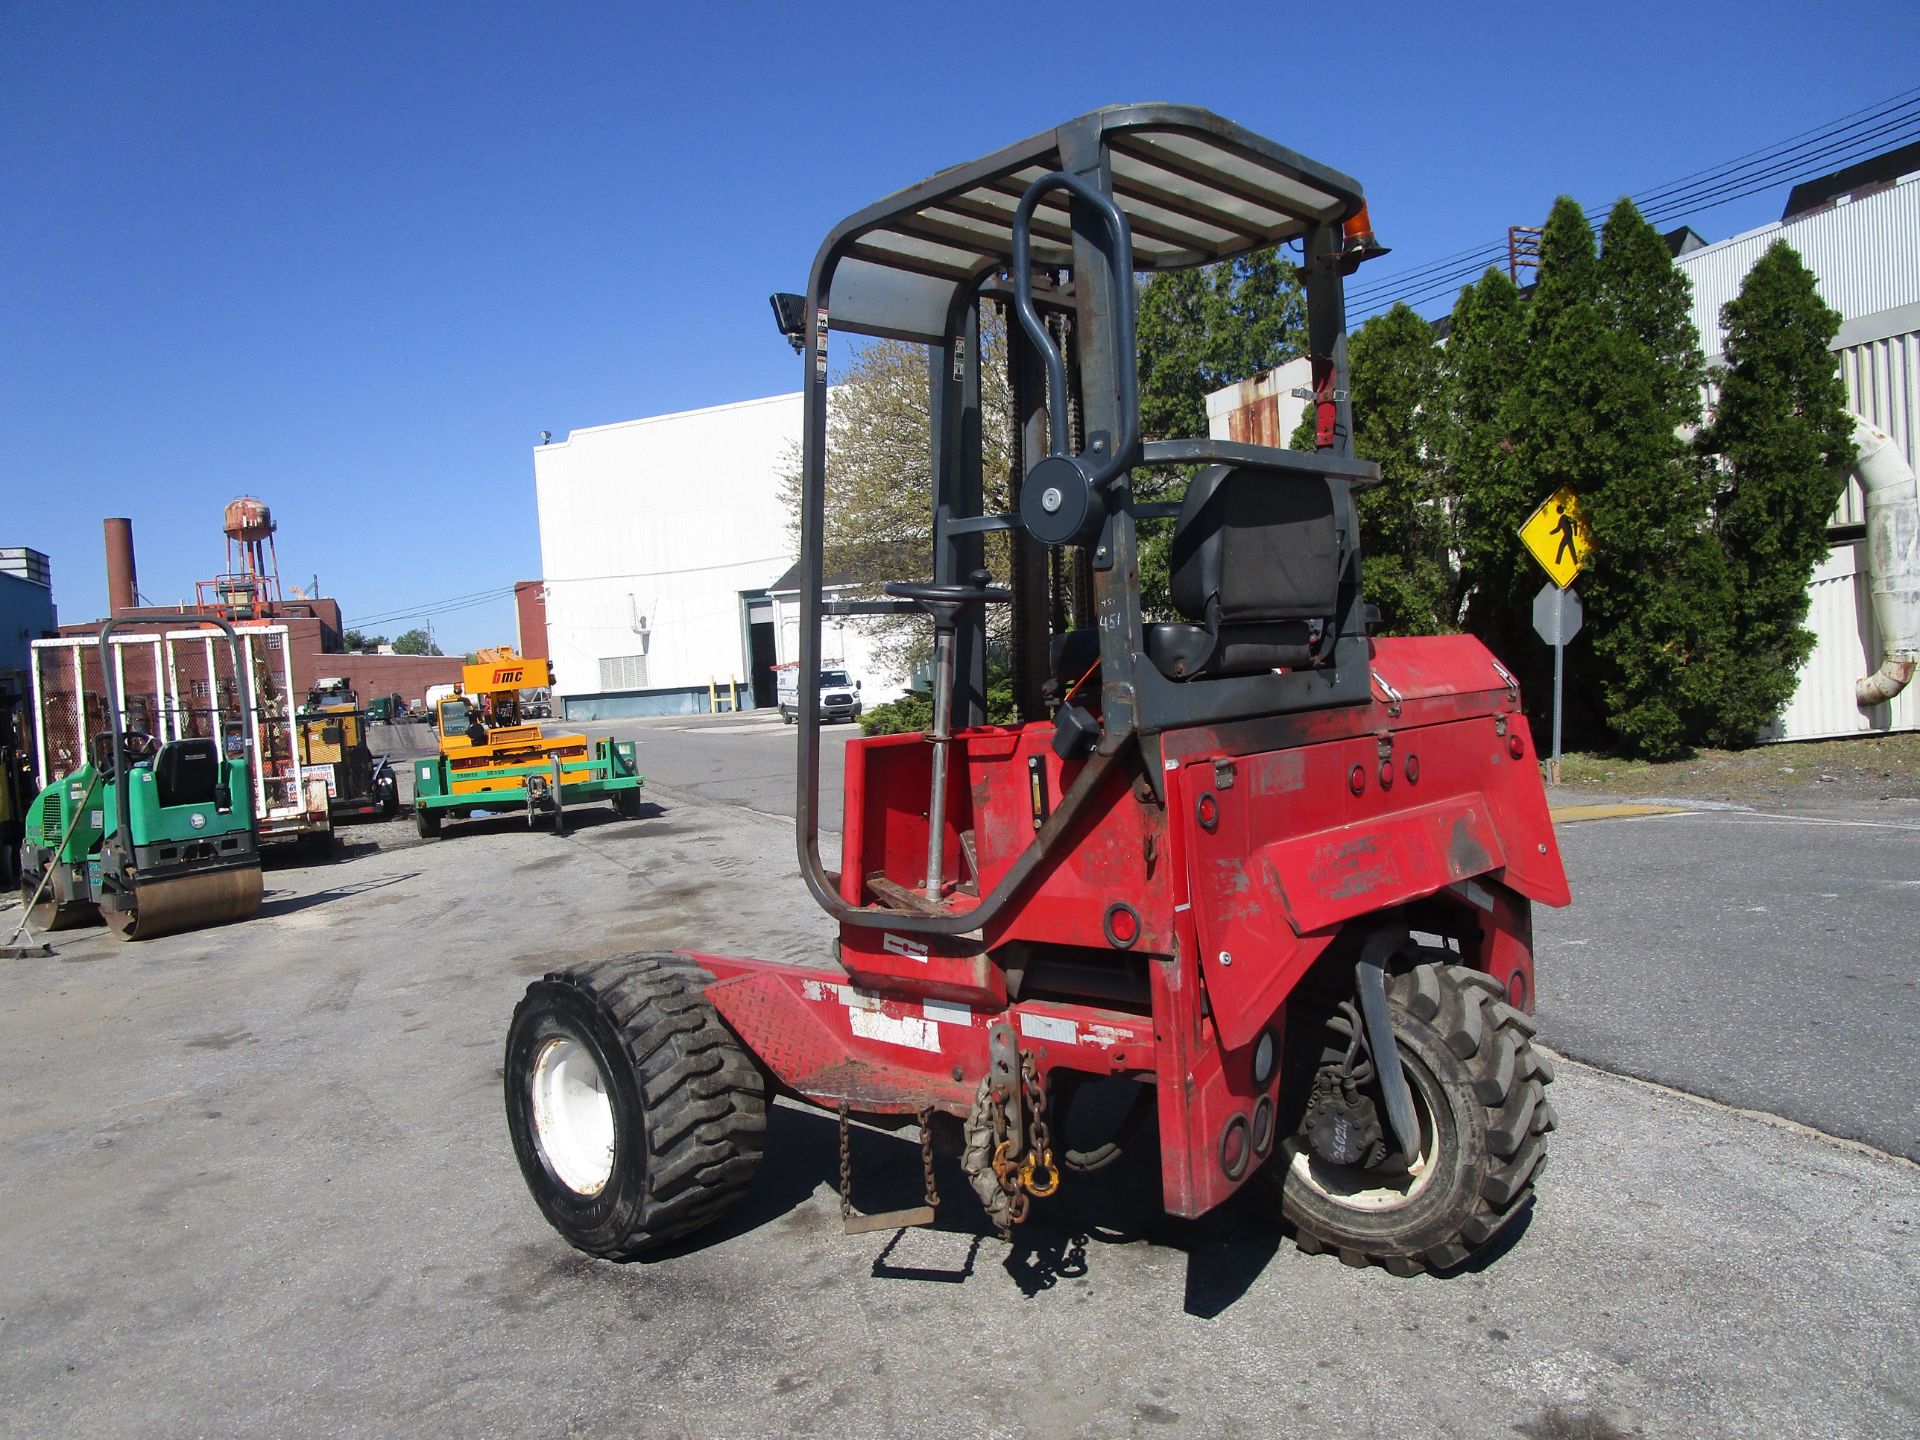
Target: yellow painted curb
column 1567, row 814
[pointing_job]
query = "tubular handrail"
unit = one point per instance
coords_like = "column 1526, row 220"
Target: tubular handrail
column 1120, row 264
column 124, row 795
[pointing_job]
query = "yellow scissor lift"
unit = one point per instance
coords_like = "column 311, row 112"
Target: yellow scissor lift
column 490, row 760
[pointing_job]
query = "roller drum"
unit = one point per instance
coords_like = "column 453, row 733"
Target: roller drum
column 187, row 902
column 50, row 912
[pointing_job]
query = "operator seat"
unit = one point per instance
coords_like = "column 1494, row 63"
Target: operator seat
column 1255, row 576
column 186, row 772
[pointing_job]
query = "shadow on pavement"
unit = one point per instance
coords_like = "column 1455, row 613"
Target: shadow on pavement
column 285, row 902
column 1062, row 1239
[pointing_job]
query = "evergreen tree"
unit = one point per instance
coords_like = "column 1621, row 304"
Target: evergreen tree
column 1644, row 295
column 1785, row 441
column 1204, row 328
column 1483, row 363
column 1598, row 409
column 1405, row 522
column 1569, row 267
column 1648, row 305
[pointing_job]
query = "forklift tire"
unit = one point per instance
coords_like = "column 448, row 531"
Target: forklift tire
column 787, row 717
column 635, row 1114
column 626, row 804
column 426, row 822
column 1477, row 1086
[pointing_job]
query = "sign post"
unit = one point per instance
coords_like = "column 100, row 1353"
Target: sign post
column 1557, row 615
column 1556, row 534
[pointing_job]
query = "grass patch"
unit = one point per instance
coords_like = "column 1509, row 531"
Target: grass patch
column 1869, row 767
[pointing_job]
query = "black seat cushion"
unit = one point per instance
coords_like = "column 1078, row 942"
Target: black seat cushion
column 1255, row 572
column 1260, row 545
column 186, row 772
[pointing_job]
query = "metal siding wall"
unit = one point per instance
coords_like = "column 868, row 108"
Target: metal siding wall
column 1848, row 647
column 1883, row 385
column 1864, row 253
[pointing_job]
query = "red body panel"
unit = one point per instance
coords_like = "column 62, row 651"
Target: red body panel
column 1311, row 823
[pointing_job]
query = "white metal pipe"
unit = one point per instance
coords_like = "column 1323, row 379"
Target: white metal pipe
column 1893, row 560
column 173, row 689
column 160, row 691
column 119, row 648
column 40, row 718
column 213, row 692
column 80, row 702
column 256, row 762
column 287, row 710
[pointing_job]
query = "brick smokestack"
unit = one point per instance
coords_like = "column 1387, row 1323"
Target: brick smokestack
column 123, row 589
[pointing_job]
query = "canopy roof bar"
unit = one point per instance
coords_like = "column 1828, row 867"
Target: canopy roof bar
column 1195, row 189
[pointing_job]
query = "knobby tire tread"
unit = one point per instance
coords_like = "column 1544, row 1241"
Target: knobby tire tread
column 705, row 1107
column 1467, row 1010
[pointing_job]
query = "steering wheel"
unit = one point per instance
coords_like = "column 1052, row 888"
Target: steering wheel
column 945, row 602
column 136, row 745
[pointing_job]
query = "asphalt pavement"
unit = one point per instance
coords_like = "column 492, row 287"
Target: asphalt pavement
column 257, row 1182
column 1764, row 960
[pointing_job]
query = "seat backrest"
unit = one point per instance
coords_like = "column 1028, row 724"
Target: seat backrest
column 1260, row 545
column 186, row 772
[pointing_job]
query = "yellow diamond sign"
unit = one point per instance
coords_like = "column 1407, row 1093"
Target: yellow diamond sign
column 1557, row 535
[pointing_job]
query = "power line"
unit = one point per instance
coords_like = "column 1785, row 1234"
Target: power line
column 433, row 607
column 1883, row 125
column 655, row 574
column 1832, row 135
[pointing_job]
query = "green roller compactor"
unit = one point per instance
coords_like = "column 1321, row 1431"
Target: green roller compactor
column 150, row 837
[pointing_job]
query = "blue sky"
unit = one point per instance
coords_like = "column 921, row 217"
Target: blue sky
column 354, row 257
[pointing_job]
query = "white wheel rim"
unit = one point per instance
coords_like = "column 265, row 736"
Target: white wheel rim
column 1360, row 1189
column 573, row 1115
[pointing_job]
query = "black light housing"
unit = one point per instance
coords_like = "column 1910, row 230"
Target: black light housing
column 790, row 314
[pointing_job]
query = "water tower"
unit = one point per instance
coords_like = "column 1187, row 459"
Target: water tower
column 250, row 585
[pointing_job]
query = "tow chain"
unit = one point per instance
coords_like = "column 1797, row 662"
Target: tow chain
column 925, row 1116
column 846, row 1168
column 1008, row 1180
column 1039, row 1159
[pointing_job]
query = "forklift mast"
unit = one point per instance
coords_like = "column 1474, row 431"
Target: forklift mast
column 1055, row 229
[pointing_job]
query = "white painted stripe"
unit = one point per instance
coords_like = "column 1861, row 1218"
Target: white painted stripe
column 1050, row 1027
column 946, row 1013
column 877, row 1025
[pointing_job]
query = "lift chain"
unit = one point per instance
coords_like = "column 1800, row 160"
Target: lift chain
column 925, row 1116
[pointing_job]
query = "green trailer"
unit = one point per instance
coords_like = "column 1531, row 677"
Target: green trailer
column 454, row 785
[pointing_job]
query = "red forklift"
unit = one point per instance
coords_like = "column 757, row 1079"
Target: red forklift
column 1277, row 873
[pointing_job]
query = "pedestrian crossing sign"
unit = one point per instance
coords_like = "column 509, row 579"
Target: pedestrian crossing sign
column 1557, row 535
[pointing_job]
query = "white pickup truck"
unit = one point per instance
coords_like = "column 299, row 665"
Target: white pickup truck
column 839, row 695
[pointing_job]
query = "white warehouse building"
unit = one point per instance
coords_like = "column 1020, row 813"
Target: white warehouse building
column 662, row 542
